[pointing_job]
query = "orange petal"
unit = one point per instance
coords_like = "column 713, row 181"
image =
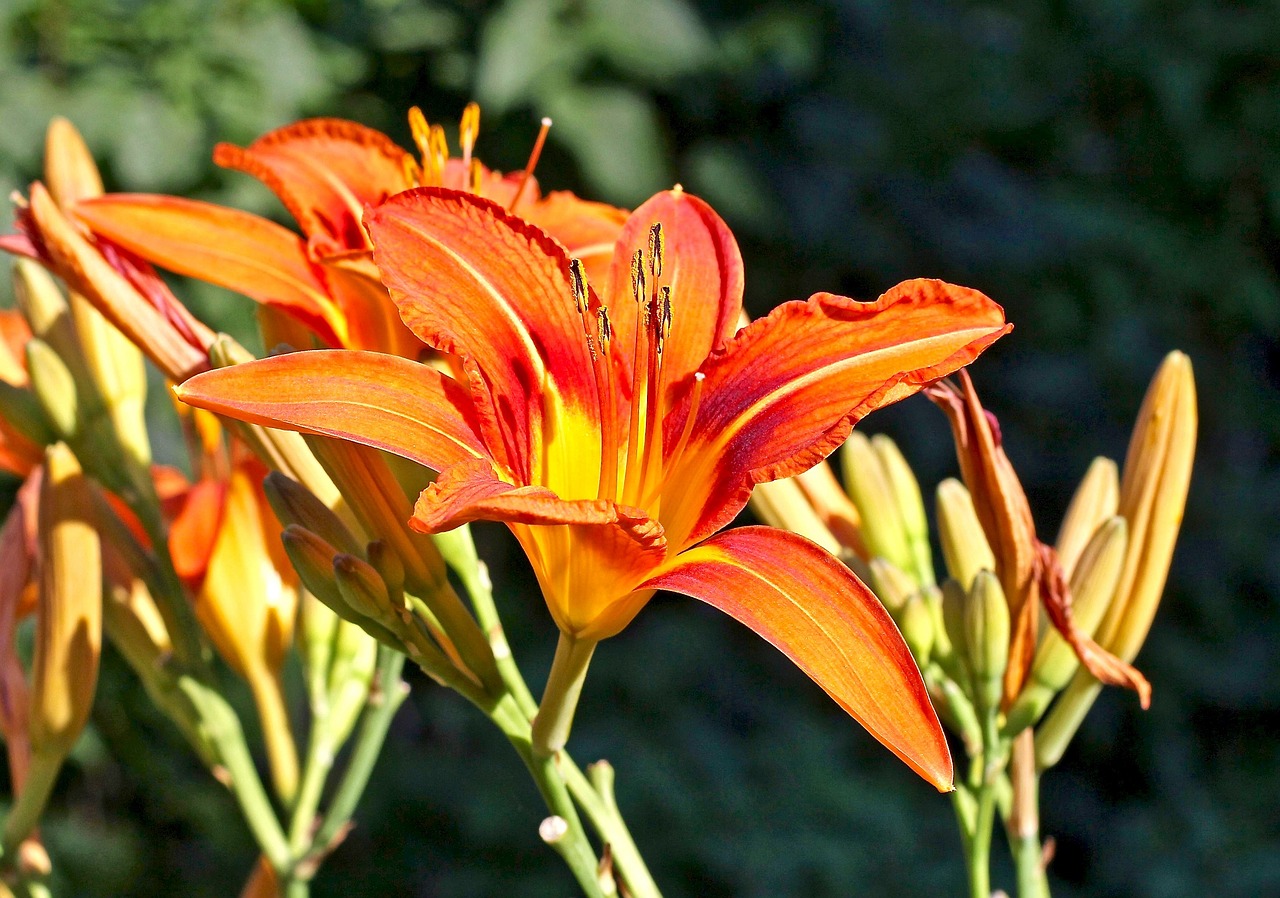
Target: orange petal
column 194, row 531
column 785, row 392
column 372, row 319
column 702, row 266
column 589, row 554
column 816, row 612
column 325, row 171
column 227, row 247
column 378, row 400
column 472, row 280
column 587, row 230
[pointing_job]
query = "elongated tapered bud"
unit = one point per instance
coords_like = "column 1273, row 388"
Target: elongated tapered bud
column 892, row 585
column 952, row 603
column 872, row 492
column 1093, row 584
column 313, row 559
column 1096, row 499
column 295, row 504
column 64, row 669
column 910, row 505
column 55, row 389
column 964, row 545
column 782, row 504
column 918, row 628
column 69, row 616
column 362, row 587
column 23, row 419
column 986, row 630
column 1153, row 494
column 69, row 169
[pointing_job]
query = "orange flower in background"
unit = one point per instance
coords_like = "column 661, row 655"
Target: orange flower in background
column 615, row 433
column 326, row 172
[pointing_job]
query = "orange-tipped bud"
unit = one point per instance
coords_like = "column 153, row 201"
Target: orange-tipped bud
column 64, row 669
column 1153, row 494
column 69, row 615
column 69, row 169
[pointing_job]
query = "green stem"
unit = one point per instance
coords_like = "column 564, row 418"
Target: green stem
column 296, row 888
column 571, row 843
column 560, row 699
column 475, row 580
column 978, row 848
column 368, row 746
column 315, row 772
column 596, row 798
column 25, row 813
column 227, row 737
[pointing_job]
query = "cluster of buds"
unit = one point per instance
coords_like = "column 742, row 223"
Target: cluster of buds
column 976, row 634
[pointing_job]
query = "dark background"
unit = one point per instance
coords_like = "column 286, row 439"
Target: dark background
column 1109, row 171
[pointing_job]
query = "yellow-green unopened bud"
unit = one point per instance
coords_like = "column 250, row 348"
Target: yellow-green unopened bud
column 44, row 307
column 892, row 586
column 55, row 388
column 872, row 492
column 910, row 504
column 986, row 630
column 1093, row 584
column 917, row 628
column 312, row 557
column 388, row 566
column 952, row 600
column 1095, row 500
column 964, row 546
column 23, row 412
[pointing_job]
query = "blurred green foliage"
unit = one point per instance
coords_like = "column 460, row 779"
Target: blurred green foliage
column 1108, row 170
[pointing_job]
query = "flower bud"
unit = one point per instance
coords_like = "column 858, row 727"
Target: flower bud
column 69, row 169
column 313, row 559
column 964, row 545
column 1093, row 585
column 1095, row 500
column 55, row 389
column 1153, row 493
column 64, row 670
column 782, row 504
column 892, row 586
column 910, row 505
column 986, row 632
column 917, row 628
column 362, row 588
column 873, row 494
column 295, row 504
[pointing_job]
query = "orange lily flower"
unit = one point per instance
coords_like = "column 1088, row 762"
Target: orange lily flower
column 325, row 172
column 615, row 433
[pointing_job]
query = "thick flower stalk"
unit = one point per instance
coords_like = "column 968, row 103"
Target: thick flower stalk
column 616, row 431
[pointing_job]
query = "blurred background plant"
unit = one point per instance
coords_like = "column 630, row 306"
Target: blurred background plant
column 1109, row 172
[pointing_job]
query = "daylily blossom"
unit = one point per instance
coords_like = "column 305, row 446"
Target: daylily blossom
column 616, row 432
column 326, row 172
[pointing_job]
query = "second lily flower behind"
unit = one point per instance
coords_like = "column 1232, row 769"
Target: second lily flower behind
column 616, row 431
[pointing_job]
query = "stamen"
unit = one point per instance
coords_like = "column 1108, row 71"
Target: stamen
column 578, row 280
column 477, row 176
column 439, row 146
column 664, row 324
column 657, row 249
column 608, row 486
column 420, row 130
column 695, row 402
column 468, row 130
column 412, row 171
column 532, row 163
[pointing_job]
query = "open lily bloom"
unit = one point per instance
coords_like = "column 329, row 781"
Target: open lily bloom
column 325, row 172
column 616, row 432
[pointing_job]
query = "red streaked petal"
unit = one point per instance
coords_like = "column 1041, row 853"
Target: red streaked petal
column 472, row 280
column 785, row 392
column 237, row 250
column 368, row 397
column 703, row 267
column 589, row 554
column 816, row 612
column 325, row 171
